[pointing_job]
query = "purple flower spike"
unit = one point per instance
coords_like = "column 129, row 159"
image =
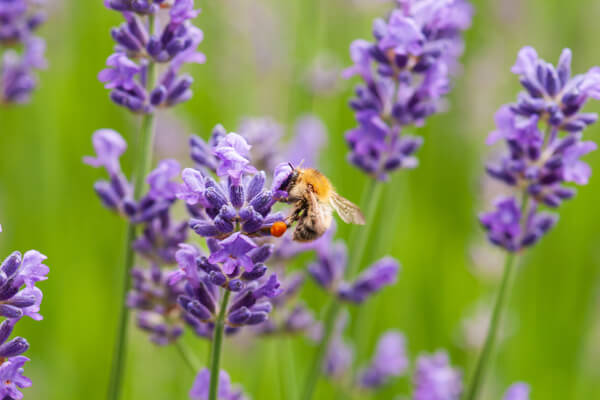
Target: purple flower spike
column 16, row 301
column 435, row 379
column 406, row 74
column 517, row 391
column 200, row 390
column 175, row 43
column 389, row 361
column 537, row 163
column 232, row 152
column 19, row 19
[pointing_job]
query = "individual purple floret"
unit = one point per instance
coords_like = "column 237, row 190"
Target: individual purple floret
column 139, row 46
column 202, row 279
column 389, row 361
column 540, row 160
column 12, row 379
column 328, row 272
column 200, row 390
column 406, row 74
column 435, row 379
column 517, row 391
column 24, row 52
column 18, row 276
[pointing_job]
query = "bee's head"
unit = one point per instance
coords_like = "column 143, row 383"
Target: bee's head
column 291, row 180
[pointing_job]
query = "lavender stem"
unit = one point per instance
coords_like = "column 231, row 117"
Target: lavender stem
column 494, row 327
column 216, row 348
column 142, row 166
column 359, row 244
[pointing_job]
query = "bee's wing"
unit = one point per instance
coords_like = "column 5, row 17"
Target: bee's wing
column 347, row 210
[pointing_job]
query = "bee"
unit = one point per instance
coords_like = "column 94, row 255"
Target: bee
column 314, row 200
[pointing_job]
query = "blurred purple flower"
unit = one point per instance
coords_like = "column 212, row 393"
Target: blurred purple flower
column 109, row 147
column 517, row 391
column 18, row 21
column 200, row 390
column 435, row 379
column 389, row 361
column 382, row 273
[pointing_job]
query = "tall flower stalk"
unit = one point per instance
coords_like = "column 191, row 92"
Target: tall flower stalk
column 406, row 75
column 132, row 76
column 543, row 133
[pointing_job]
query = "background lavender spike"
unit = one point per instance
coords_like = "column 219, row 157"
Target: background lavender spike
column 406, row 74
column 22, row 51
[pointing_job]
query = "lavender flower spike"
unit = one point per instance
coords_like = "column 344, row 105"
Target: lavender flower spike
column 539, row 159
column 406, row 74
column 390, row 361
column 19, row 20
column 138, row 48
column 435, row 379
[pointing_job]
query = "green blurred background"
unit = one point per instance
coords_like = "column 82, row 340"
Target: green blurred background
column 258, row 52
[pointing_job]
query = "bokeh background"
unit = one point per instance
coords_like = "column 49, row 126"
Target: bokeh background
column 260, row 54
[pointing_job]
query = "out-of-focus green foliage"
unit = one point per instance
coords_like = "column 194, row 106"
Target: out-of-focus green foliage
column 258, row 52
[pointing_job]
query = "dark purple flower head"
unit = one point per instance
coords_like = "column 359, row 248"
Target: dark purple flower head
column 200, row 390
column 435, row 379
column 517, row 391
column 175, row 44
column 389, row 361
column 18, row 276
column 506, row 227
column 155, row 303
column 406, row 74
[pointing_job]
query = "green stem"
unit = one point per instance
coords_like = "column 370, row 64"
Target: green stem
column 142, row 166
column 289, row 368
column 501, row 299
column 188, row 356
column 357, row 249
column 216, row 348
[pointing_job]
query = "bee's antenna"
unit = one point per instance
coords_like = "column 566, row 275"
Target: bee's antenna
column 291, row 165
column 301, row 162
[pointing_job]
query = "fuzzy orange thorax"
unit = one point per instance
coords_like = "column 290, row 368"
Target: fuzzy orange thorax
column 319, row 182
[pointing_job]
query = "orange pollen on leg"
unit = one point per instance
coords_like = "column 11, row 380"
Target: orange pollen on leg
column 278, row 228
